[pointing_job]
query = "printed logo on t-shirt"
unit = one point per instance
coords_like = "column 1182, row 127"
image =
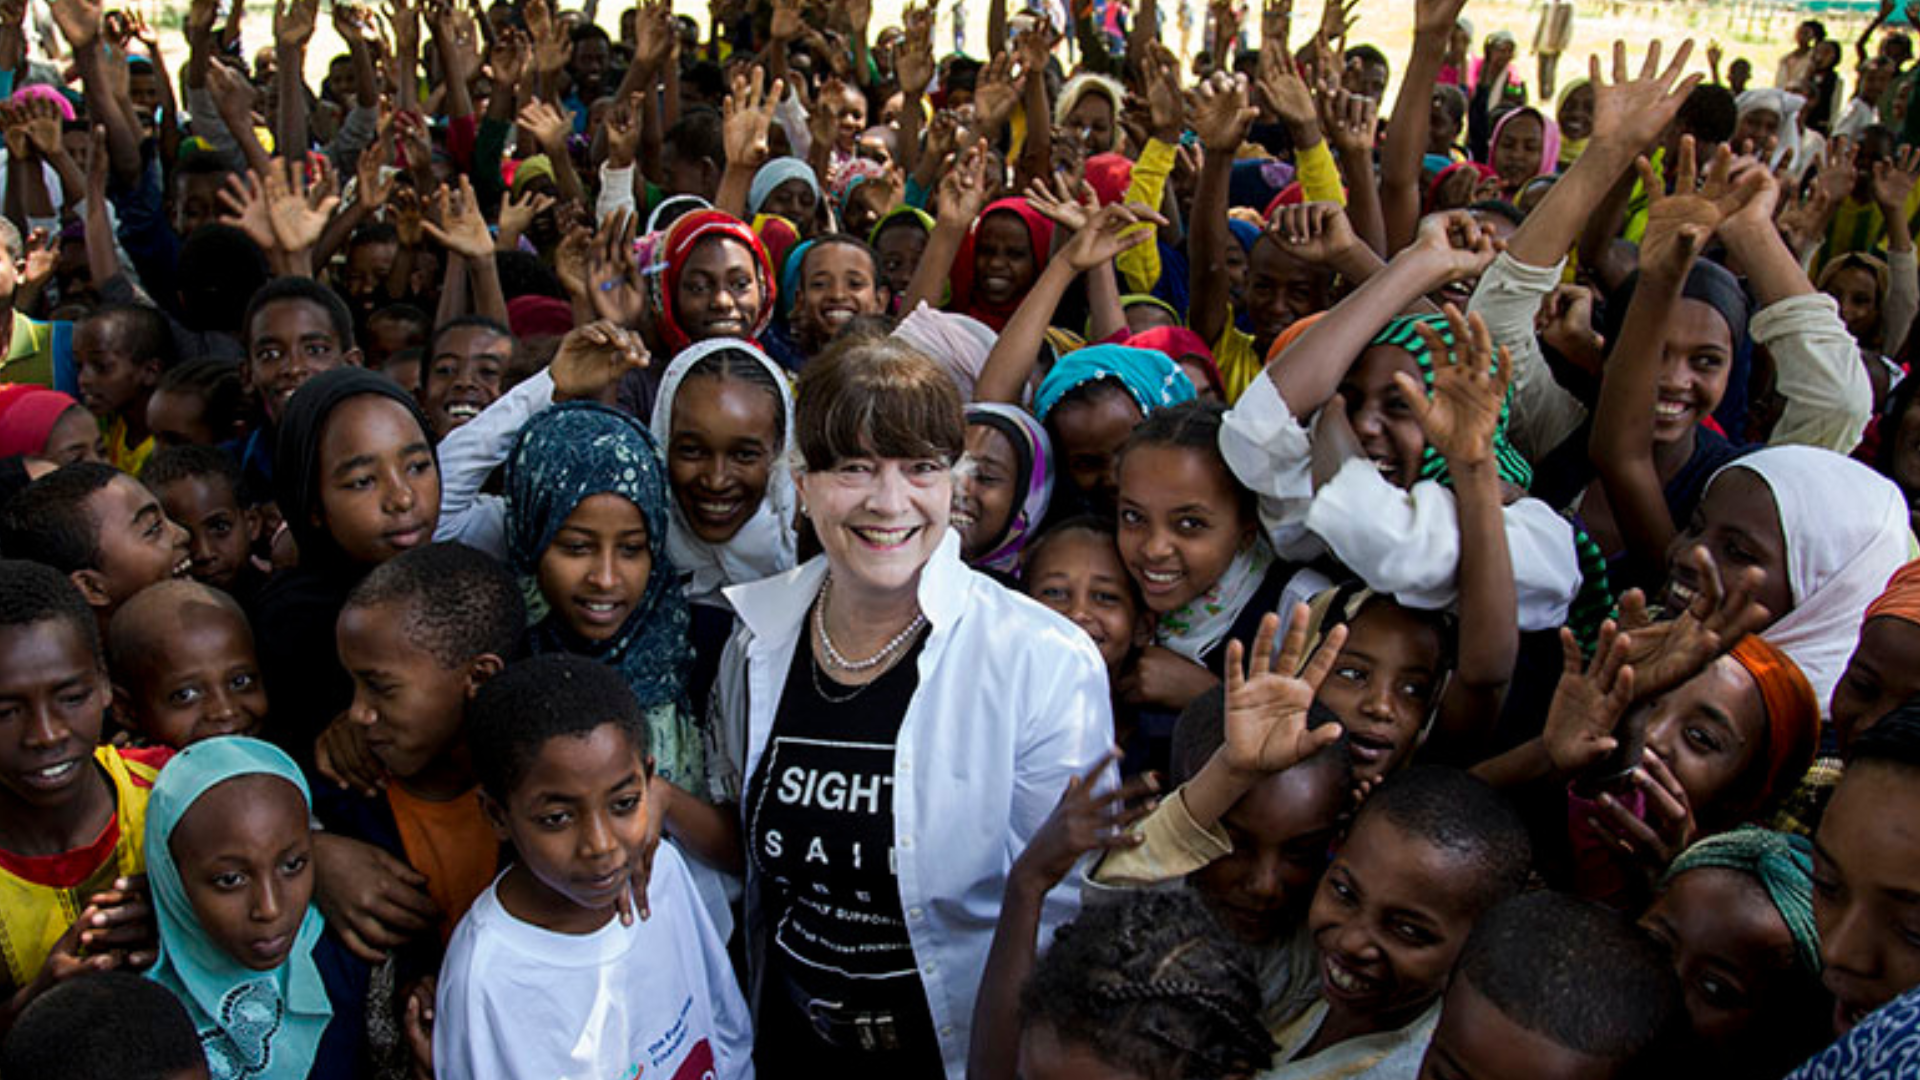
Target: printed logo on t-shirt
column 699, row 1064
column 835, row 813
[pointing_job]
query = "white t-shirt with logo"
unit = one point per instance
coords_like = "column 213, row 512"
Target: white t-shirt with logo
column 653, row 1000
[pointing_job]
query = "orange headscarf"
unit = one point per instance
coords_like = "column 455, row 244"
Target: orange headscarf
column 1902, row 596
column 1291, row 334
column 1793, row 714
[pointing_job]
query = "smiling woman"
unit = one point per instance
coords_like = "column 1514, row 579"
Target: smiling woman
column 871, row 701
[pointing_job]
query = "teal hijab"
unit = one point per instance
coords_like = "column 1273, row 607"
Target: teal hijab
column 1404, row 334
column 253, row 1025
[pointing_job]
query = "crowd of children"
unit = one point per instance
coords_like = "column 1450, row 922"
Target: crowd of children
column 452, row 517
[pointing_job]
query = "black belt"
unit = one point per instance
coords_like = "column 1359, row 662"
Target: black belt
column 869, row 1031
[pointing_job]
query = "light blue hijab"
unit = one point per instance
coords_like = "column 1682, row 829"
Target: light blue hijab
column 777, row 172
column 253, row 1025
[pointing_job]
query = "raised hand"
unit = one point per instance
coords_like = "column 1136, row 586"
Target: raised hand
column 373, row 185
column 748, row 117
column 1458, row 246
column 1065, row 203
column 509, row 59
column 1630, row 113
column 913, row 60
column 200, row 18
column 461, row 228
column 517, row 214
column 1666, row 654
column 1336, row 19
column 1283, row 87
column 549, row 125
column 1893, row 180
column 1317, row 233
column 788, row 21
column 653, row 36
column 1276, row 24
column 623, row 132
column 1108, row 234
column 1469, row 388
column 42, row 124
column 964, row 190
column 244, row 202
column 293, row 22
column 997, row 92
column 1221, row 115
column 1436, row 16
column 79, row 21
column 613, row 276
column 570, row 259
column 1652, row 843
column 552, row 48
column 1267, row 704
column 1349, row 120
column 1588, row 702
column 1166, row 104
column 592, row 358
column 1679, row 225
column 1084, row 820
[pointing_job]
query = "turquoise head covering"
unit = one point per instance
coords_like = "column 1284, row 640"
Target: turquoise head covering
column 563, row 457
column 790, row 280
column 253, row 1024
column 1151, row 377
column 1403, row 334
column 1784, row 864
column 773, row 174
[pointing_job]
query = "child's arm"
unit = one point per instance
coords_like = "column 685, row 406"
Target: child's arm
column 1893, row 184
column 1084, row 821
column 1221, row 117
column 1621, row 446
column 1460, row 419
column 1003, row 378
column 749, row 116
column 1449, row 247
column 964, row 192
column 1266, row 715
column 1409, row 126
column 1350, row 121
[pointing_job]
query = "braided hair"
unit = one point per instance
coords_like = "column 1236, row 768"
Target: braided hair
column 1149, row 983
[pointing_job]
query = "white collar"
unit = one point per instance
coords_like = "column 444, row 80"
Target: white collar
column 775, row 608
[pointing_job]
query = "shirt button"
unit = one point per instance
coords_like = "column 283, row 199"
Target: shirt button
column 927, row 967
column 915, row 913
column 947, row 1031
column 906, row 843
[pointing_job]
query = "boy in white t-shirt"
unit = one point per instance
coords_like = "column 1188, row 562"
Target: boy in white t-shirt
column 542, row 980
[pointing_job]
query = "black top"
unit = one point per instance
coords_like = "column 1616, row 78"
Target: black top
column 820, row 832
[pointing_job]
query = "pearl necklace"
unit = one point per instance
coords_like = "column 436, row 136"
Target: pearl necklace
column 886, row 651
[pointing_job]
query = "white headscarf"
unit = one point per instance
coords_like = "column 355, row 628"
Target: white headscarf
column 764, row 546
column 1847, row 531
column 1787, row 107
column 960, row 343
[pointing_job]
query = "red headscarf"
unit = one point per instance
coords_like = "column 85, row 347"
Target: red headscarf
column 1484, row 172
column 1039, row 234
column 27, row 416
column 1110, row 175
column 1793, row 714
column 1180, row 343
column 687, row 234
column 532, row 316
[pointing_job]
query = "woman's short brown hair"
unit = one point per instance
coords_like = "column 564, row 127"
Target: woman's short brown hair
column 876, row 397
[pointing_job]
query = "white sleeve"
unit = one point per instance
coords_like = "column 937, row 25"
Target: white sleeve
column 1903, row 300
column 616, row 193
column 732, row 1025
column 1270, row 453
column 1407, row 544
column 1069, row 726
column 458, row 993
column 471, row 453
column 1817, row 370
column 1507, row 298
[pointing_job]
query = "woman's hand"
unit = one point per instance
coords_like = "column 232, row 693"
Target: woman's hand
column 997, row 93
column 1109, row 233
column 592, row 358
column 1066, row 202
column 1160, row 676
column 1267, row 705
column 373, row 901
column 1630, row 113
column 964, row 190
column 1084, row 820
column 1221, row 115
column 1652, row 844
column 1666, row 654
column 461, row 228
column 613, row 277
column 1588, row 702
column 1469, row 389
column 749, row 116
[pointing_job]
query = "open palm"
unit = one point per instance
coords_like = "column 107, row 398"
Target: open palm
column 1267, row 705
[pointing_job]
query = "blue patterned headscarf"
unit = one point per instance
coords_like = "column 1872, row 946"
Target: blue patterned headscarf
column 1150, row 377
column 257, row 1024
column 563, row 457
